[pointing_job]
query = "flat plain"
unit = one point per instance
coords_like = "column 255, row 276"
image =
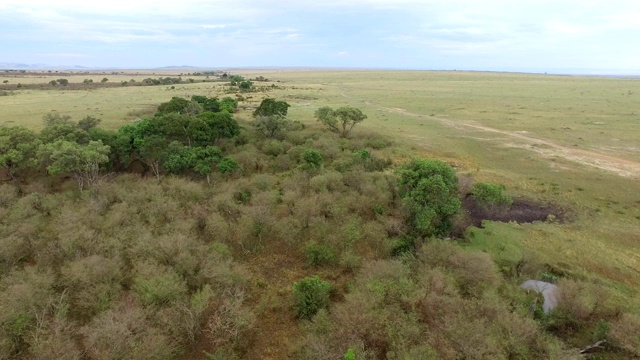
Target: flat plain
column 568, row 140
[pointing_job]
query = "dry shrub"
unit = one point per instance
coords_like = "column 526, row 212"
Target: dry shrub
column 217, row 229
column 625, row 333
column 15, row 249
column 93, row 283
column 54, row 340
column 436, row 253
column 574, row 303
column 24, row 294
column 475, row 273
column 124, row 333
column 158, row 285
column 230, row 321
column 182, row 189
column 283, row 163
column 375, row 239
column 251, row 160
column 263, row 182
column 8, row 196
column 330, row 147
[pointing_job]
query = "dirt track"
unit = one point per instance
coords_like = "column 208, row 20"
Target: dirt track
column 622, row 167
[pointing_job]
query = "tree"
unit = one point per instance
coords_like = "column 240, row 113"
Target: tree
column 227, row 165
column 104, row 80
column 270, row 126
column 245, row 85
column 429, row 189
column 229, row 104
column 219, row 125
column 82, row 161
column 341, row 120
column 176, row 104
column 88, row 122
column 63, row 82
column 235, row 79
column 272, row 107
column 59, row 127
column 18, row 151
column 153, row 150
column 199, row 159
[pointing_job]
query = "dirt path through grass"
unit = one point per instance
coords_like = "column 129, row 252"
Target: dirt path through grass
column 622, row 167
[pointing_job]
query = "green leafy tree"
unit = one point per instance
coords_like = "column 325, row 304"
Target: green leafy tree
column 236, row 79
column 272, row 107
column 429, row 189
column 198, row 159
column 228, row 103
column 245, row 85
column 178, row 127
column 83, row 162
column 270, row 126
column 63, row 82
column 208, row 104
column 219, row 125
column 18, row 151
column 153, row 151
column 227, row 165
column 309, row 296
column 204, row 158
column 60, row 127
column 176, row 104
column 342, row 120
column 104, row 80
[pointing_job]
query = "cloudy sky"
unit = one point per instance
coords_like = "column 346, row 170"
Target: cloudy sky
column 512, row 35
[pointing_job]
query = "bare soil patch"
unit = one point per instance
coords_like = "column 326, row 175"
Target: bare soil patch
column 521, row 211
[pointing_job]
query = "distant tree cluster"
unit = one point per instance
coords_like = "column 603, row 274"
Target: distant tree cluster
column 181, row 137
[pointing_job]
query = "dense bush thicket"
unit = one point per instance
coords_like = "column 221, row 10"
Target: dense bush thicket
column 147, row 267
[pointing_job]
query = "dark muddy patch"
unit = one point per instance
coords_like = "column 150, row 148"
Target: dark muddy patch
column 521, row 211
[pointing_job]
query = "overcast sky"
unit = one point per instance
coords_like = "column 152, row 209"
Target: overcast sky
column 527, row 35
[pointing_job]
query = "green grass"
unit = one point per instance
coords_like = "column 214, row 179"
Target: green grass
column 432, row 114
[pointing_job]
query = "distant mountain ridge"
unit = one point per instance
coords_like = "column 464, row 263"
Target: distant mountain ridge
column 22, row 66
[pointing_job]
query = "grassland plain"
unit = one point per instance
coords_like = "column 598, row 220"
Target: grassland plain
column 569, row 140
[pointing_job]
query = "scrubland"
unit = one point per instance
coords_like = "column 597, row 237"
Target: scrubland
column 222, row 267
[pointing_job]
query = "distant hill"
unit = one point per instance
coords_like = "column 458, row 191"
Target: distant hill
column 22, row 66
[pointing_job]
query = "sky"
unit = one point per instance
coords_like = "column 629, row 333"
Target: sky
column 498, row 35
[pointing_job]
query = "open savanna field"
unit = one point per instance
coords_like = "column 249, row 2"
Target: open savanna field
column 569, row 141
column 574, row 141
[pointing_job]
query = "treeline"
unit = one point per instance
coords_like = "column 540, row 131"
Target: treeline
column 179, row 138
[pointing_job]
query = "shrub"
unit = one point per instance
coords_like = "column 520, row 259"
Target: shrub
column 310, row 295
column 312, row 159
column 227, row 165
column 625, row 333
column 319, row 254
column 489, row 194
column 155, row 285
